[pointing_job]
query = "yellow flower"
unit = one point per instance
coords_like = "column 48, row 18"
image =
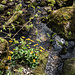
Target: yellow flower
column 23, row 37
column 31, row 40
column 6, row 67
column 14, row 49
column 36, row 54
column 28, row 39
column 9, row 57
column 35, row 44
column 10, row 41
column 31, row 52
column 42, row 48
column 33, row 60
column 28, row 47
column 11, row 52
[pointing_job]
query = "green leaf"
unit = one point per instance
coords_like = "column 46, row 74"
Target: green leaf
column 66, row 43
column 70, row 33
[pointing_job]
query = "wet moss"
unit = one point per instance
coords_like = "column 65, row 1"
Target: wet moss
column 62, row 21
column 69, row 67
column 40, row 69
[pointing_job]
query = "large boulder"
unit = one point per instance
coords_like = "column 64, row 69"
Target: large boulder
column 69, row 67
column 62, row 21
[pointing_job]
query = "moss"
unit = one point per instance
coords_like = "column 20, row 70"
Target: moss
column 69, row 67
column 40, row 69
column 1, row 7
column 3, row 2
column 3, row 52
column 3, row 45
column 59, row 20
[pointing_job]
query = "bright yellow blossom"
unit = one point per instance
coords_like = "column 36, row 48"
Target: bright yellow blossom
column 42, row 48
column 28, row 39
column 6, row 67
column 11, row 52
column 35, row 44
column 31, row 52
column 33, row 60
column 36, row 54
column 14, row 49
column 23, row 37
column 31, row 40
column 10, row 41
column 9, row 57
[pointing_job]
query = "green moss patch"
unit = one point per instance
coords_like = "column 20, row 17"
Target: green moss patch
column 69, row 67
column 40, row 69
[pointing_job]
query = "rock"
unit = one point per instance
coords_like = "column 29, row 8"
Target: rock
column 69, row 67
column 3, row 52
column 62, row 22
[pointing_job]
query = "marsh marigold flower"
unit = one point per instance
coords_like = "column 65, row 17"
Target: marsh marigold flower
column 23, row 37
column 31, row 40
column 31, row 52
column 33, row 60
column 11, row 52
column 10, row 41
column 9, row 57
column 35, row 44
column 14, row 49
column 42, row 48
column 28, row 39
column 6, row 67
column 36, row 54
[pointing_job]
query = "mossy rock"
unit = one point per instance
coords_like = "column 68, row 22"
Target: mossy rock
column 3, row 44
column 40, row 69
column 4, row 49
column 62, row 3
column 69, row 67
column 62, row 21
